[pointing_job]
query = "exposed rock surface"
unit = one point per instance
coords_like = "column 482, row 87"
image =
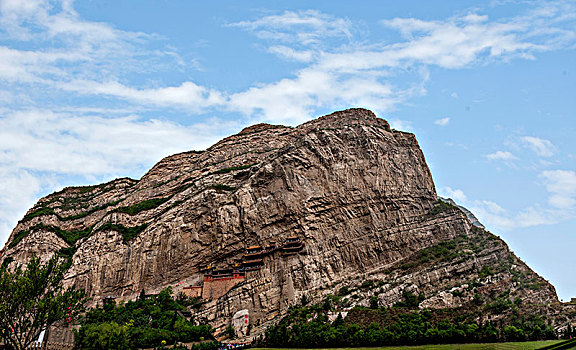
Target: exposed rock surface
column 358, row 194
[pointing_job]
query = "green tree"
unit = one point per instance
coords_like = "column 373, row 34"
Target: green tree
column 143, row 323
column 104, row 336
column 33, row 298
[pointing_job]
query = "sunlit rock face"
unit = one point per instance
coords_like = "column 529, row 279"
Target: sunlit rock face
column 339, row 205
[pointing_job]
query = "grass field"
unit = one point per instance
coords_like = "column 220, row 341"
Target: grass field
column 530, row 345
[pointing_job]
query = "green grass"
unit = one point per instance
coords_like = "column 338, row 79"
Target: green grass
column 566, row 344
column 529, row 345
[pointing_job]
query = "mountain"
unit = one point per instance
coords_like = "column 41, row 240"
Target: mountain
column 274, row 216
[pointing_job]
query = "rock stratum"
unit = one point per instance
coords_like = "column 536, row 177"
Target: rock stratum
column 273, row 215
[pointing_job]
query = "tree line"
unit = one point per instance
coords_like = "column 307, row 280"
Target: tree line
column 309, row 327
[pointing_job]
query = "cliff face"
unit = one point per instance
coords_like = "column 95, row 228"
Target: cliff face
column 341, row 203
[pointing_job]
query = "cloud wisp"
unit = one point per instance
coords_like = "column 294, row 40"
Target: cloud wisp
column 302, row 28
column 455, row 43
column 541, row 147
column 442, row 121
column 501, row 155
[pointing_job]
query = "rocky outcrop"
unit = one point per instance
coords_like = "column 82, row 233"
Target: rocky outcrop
column 356, row 194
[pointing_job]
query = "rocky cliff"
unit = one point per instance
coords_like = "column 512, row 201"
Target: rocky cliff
column 274, row 215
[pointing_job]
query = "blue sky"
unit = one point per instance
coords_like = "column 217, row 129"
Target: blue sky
column 93, row 90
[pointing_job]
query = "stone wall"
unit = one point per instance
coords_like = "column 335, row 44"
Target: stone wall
column 214, row 289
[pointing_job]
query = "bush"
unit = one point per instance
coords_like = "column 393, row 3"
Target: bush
column 368, row 284
column 440, row 207
column 410, row 300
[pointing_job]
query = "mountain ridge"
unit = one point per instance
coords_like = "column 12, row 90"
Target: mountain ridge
column 332, row 203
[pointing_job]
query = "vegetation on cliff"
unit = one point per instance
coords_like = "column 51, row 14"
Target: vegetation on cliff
column 69, row 237
column 127, row 233
column 142, row 206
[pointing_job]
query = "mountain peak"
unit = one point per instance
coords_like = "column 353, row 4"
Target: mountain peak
column 351, row 116
column 259, row 128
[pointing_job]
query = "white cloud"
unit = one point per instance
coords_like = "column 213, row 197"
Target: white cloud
column 501, row 155
column 399, row 124
column 495, row 216
column 442, row 121
column 456, row 43
column 294, row 100
column 41, row 140
column 456, row 194
column 542, row 147
column 562, row 186
column 188, row 94
column 350, row 74
column 61, row 46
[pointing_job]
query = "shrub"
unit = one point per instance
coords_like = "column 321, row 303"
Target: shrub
column 368, row 284
column 440, row 207
column 234, row 168
column 410, row 300
column 344, row 290
column 142, row 206
column 39, row 212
